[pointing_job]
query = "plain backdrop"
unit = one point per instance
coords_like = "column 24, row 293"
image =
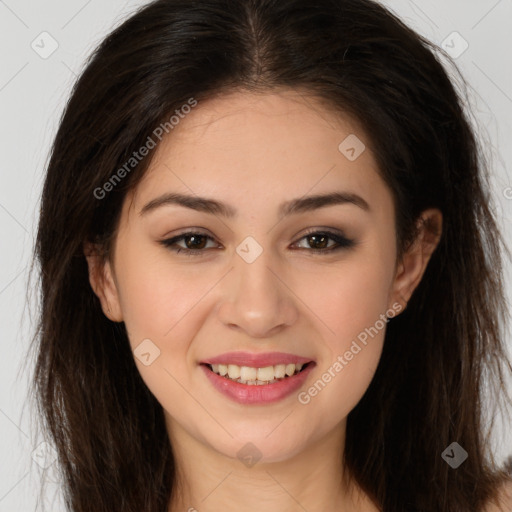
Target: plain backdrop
column 35, row 82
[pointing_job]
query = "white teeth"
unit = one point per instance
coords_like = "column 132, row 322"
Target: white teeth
column 279, row 371
column 233, row 371
column 265, row 374
column 290, row 369
column 247, row 373
column 256, row 376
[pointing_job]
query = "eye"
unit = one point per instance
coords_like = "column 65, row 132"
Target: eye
column 196, row 242
column 319, row 239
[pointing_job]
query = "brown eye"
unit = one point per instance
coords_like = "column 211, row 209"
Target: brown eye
column 195, row 243
column 318, row 241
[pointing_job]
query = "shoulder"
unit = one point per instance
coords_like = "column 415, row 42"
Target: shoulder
column 503, row 502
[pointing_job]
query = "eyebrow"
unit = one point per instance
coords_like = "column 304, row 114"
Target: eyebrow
column 295, row 206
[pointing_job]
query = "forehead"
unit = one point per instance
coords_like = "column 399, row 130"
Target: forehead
column 259, row 149
column 261, row 126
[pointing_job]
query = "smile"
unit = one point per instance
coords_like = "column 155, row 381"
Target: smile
column 271, row 378
column 257, row 376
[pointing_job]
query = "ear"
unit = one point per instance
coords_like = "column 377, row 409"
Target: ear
column 414, row 262
column 101, row 278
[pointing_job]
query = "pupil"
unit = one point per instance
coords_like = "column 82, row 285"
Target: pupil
column 318, row 245
column 195, row 245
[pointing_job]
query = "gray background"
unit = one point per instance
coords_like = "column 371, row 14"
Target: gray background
column 33, row 89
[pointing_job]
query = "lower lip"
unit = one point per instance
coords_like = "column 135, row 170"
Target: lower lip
column 257, row 394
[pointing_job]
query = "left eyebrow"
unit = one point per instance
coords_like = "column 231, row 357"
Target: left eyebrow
column 295, row 206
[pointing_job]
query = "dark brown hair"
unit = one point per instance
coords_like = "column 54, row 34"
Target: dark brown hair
column 359, row 59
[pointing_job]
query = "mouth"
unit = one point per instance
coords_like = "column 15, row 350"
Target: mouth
column 261, row 376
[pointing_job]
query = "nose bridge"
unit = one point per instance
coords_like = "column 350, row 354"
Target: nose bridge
column 259, row 302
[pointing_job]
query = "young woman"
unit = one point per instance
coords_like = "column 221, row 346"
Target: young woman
column 270, row 272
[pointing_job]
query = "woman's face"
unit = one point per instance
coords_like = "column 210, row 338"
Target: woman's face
column 255, row 285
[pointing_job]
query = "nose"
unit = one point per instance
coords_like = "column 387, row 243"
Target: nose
column 256, row 299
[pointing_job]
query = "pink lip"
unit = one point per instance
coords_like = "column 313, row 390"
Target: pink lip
column 254, row 394
column 256, row 360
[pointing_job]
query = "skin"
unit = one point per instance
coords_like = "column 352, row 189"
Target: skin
column 503, row 500
column 254, row 152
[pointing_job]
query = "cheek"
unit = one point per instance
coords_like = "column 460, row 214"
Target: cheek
column 354, row 311
column 160, row 303
column 155, row 295
column 351, row 298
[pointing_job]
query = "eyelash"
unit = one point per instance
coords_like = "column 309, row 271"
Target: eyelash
column 341, row 241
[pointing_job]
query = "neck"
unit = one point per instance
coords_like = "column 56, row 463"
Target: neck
column 312, row 479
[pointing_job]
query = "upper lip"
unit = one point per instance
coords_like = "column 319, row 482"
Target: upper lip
column 256, row 360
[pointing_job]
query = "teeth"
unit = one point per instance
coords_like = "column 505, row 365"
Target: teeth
column 233, row 371
column 290, row 369
column 247, row 373
column 265, row 374
column 279, row 371
column 256, row 376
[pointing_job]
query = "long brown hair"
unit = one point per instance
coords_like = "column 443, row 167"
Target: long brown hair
column 439, row 354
